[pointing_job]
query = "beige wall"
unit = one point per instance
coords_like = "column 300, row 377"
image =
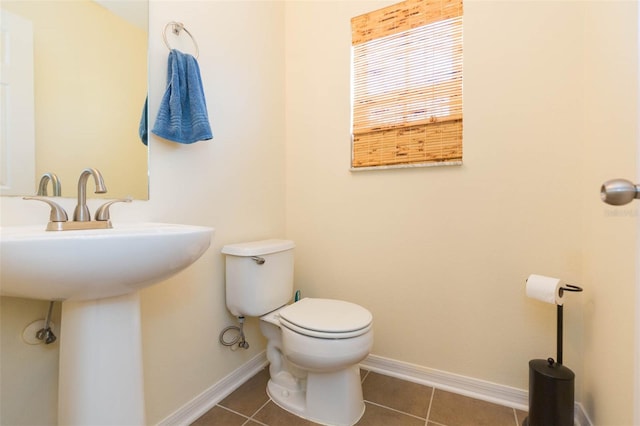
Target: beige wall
column 438, row 255
column 28, row 373
column 234, row 183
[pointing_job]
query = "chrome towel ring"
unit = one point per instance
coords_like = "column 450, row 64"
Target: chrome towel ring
column 176, row 27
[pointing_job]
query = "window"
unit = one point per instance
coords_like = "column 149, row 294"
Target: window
column 407, row 85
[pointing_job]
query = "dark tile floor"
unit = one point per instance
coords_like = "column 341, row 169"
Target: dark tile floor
column 389, row 402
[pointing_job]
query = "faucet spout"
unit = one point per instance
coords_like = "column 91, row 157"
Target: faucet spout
column 55, row 184
column 81, row 213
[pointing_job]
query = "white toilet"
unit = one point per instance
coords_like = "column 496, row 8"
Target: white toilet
column 314, row 345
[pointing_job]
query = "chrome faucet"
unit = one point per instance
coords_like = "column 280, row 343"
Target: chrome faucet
column 58, row 220
column 55, row 184
column 81, row 213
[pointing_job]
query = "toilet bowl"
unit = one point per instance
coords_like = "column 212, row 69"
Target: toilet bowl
column 314, row 347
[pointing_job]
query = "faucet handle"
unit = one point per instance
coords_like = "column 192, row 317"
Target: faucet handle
column 102, row 213
column 57, row 212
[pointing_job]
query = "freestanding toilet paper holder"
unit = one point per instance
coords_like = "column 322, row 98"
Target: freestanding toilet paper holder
column 565, row 287
column 551, row 384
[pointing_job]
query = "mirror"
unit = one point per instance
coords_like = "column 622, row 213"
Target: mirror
column 89, row 83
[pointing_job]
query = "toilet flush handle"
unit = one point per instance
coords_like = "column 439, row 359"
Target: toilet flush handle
column 259, row 260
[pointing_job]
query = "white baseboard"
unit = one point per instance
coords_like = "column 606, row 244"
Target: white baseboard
column 467, row 386
column 473, row 388
column 202, row 403
column 580, row 416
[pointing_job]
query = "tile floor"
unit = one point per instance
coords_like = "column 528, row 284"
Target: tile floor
column 389, row 402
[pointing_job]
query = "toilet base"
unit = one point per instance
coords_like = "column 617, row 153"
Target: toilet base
column 330, row 398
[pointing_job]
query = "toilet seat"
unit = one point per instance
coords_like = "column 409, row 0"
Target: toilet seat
column 326, row 318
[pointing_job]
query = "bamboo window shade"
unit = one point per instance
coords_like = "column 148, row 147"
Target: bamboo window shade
column 407, row 85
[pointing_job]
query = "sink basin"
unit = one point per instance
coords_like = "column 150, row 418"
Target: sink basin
column 93, row 264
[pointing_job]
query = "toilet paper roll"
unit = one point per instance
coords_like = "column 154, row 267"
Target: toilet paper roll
column 545, row 289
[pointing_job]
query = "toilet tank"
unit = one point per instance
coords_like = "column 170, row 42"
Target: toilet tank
column 254, row 287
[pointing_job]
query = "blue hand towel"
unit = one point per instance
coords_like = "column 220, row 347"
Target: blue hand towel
column 183, row 113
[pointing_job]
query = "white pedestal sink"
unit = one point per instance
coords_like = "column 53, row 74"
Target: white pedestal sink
column 96, row 273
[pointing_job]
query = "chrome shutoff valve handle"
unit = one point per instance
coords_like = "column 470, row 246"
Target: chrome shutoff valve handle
column 46, row 334
column 619, row 192
column 57, row 212
column 102, row 213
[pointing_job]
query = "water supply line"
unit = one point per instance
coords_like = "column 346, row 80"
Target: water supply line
column 238, row 339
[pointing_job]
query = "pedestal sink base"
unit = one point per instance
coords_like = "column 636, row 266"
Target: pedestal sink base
column 100, row 381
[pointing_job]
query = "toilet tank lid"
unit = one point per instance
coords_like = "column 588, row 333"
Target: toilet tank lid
column 258, row 248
